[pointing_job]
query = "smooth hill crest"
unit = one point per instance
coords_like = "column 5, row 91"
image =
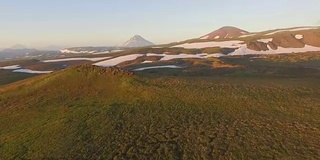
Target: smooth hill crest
column 225, row 32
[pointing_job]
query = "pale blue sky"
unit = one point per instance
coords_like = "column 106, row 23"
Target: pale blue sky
column 39, row 23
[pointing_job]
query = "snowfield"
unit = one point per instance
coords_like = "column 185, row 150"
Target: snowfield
column 76, row 59
column 265, row 40
column 31, row 71
column 247, row 35
column 115, row 61
column 167, row 57
column 200, row 45
column 245, row 51
column 155, row 67
column 11, row 67
column 292, row 30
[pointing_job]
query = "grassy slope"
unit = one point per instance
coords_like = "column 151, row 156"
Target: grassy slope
column 87, row 113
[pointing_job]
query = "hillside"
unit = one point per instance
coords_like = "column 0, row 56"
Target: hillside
column 280, row 41
column 105, row 113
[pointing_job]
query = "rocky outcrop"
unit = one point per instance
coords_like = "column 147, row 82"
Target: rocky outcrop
column 272, row 46
column 257, row 46
column 88, row 68
column 287, row 41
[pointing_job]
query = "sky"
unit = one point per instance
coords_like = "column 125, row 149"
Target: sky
column 41, row 23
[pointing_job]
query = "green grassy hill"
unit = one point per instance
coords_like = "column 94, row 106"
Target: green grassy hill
column 89, row 112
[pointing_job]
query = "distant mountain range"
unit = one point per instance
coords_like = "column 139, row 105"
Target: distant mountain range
column 18, row 46
column 90, row 50
column 21, row 51
column 134, row 42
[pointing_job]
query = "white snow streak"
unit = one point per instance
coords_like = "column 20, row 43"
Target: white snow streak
column 155, row 67
column 118, row 60
column 31, row 71
column 247, row 35
column 223, row 44
column 11, row 67
column 265, row 40
column 245, row 51
column 292, row 30
column 77, row 59
column 204, row 37
column 167, row 57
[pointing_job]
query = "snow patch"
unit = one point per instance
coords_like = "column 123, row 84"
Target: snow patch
column 167, row 57
column 105, row 52
column 223, row 44
column 74, row 52
column 156, row 67
column 77, row 59
column 245, row 51
column 265, row 40
column 118, row 60
column 205, row 37
column 147, row 61
column 114, row 51
column 298, row 36
column 247, row 35
column 292, row 30
column 11, row 67
column 215, row 55
column 217, row 37
column 31, row 71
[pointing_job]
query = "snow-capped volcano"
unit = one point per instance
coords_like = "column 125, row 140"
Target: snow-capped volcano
column 137, row 41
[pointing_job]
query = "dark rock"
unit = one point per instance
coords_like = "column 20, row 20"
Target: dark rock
column 272, row 46
column 257, row 46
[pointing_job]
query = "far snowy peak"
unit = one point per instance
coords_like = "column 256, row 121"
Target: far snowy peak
column 137, row 41
column 137, row 37
column 18, row 46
